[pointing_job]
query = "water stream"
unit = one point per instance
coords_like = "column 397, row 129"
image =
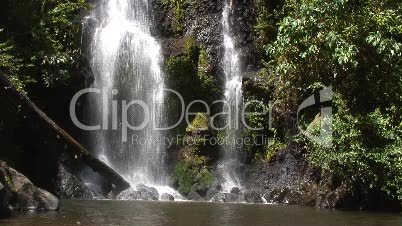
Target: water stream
column 126, row 65
column 234, row 98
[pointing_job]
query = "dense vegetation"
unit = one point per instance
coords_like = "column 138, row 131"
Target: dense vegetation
column 356, row 47
column 191, row 173
column 40, row 40
column 40, row 51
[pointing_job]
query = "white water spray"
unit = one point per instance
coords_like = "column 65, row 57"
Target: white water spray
column 126, row 63
column 234, row 98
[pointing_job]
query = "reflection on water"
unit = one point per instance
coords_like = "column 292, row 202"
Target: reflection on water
column 75, row 212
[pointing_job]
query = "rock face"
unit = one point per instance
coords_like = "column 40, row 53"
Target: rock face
column 68, row 185
column 201, row 19
column 288, row 179
column 18, row 193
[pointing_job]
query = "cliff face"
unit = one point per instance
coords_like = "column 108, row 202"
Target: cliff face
column 199, row 19
column 202, row 19
column 287, row 177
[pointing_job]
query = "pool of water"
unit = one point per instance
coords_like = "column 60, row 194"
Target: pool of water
column 108, row 212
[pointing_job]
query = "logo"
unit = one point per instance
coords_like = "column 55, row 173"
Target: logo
column 324, row 139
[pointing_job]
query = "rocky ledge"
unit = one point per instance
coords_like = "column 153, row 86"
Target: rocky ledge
column 18, row 193
column 289, row 179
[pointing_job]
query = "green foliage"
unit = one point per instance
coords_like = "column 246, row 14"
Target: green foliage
column 273, row 148
column 366, row 150
column 258, row 95
column 200, row 122
column 182, row 69
column 256, row 120
column 40, row 40
column 209, row 85
column 189, row 72
column 178, row 7
column 191, row 174
column 10, row 64
column 268, row 15
column 343, row 43
column 355, row 46
column 9, row 183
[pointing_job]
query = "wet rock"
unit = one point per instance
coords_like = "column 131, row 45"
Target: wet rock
column 202, row 20
column 148, row 192
column 243, row 21
column 69, row 186
column 235, row 190
column 194, row 196
column 5, row 198
column 228, row 197
column 289, row 179
column 25, row 195
column 167, row 197
column 129, row 194
column 234, row 197
column 140, row 192
column 219, row 197
column 211, row 193
column 253, row 197
column 145, row 194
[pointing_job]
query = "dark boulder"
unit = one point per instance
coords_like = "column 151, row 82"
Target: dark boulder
column 25, row 195
column 148, row 191
column 212, row 192
column 194, row 196
column 5, row 198
column 235, row 190
column 69, row 186
column 167, row 197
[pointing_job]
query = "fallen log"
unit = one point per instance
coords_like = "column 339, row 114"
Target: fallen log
column 19, row 101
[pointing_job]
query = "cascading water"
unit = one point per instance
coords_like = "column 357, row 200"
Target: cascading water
column 234, row 98
column 125, row 62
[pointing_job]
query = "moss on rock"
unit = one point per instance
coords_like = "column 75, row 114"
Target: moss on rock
column 200, row 122
column 181, row 68
column 189, row 71
column 177, row 8
column 191, row 173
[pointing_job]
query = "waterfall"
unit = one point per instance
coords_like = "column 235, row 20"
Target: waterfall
column 126, row 65
column 233, row 98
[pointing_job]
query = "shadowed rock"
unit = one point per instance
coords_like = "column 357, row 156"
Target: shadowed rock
column 5, row 196
column 19, row 193
column 70, row 186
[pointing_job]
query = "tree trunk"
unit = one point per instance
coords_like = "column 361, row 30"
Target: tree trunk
column 20, row 101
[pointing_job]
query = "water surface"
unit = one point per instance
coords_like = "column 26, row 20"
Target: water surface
column 77, row 212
